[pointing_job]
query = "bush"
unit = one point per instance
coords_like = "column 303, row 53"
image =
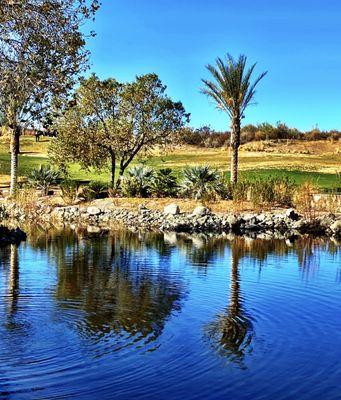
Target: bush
column 270, row 191
column 69, row 191
column 94, row 190
column 138, row 181
column 201, row 182
column 43, row 178
column 164, row 183
column 304, row 200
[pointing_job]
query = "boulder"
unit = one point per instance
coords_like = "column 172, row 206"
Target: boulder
column 200, row 211
column 93, row 229
column 336, row 227
column 93, row 210
column 232, row 220
column 292, row 214
column 172, row 209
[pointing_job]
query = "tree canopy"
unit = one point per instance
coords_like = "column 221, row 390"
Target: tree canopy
column 41, row 54
column 109, row 121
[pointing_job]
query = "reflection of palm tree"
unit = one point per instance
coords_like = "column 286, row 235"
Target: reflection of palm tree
column 231, row 333
column 13, row 290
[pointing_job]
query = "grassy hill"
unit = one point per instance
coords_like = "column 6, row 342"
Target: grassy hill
column 318, row 161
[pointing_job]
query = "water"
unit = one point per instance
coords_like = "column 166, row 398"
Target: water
column 148, row 316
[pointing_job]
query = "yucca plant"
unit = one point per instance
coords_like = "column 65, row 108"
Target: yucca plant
column 137, row 181
column 43, row 178
column 164, row 183
column 201, row 182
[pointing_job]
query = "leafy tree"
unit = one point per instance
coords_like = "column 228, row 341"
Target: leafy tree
column 109, row 120
column 41, row 53
column 88, row 130
column 149, row 118
column 233, row 91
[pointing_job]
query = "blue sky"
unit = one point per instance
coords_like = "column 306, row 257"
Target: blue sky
column 298, row 42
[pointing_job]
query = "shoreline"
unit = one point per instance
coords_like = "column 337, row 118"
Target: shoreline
column 103, row 216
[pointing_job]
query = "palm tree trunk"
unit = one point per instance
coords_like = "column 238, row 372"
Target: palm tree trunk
column 235, row 142
column 14, row 159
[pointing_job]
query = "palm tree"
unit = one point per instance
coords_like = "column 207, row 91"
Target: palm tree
column 233, row 91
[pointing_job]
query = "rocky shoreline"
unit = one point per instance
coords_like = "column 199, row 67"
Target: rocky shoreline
column 98, row 216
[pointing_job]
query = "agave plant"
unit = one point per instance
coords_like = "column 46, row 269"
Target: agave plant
column 94, row 190
column 201, row 182
column 137, row 181
column 43, row 178
column 70, row 191
column 164, row 183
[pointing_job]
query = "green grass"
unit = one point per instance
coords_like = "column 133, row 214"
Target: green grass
column 252, row 166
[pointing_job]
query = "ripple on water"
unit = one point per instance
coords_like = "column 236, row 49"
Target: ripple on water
column 123, row 318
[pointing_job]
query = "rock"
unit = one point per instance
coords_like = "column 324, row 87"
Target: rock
column 292, row 214
column 336, row 227
column 172, row 209
column 200, row 211
column 93, row 229
column 170, row 238
column 232, row 220
column 93, row 210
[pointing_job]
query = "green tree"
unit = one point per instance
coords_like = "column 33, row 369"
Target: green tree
column 41, row 53
column 88, row 130
column 116, row 122
column 149, row 118
column 232, row 90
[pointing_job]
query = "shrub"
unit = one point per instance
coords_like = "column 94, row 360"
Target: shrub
column 304, row 199
column 137, row 182
column 43, row 178
column 201, row 182
column 272, row 191
column 260, row 191
column 164, row 183
column 94, row 190
column 69, row 191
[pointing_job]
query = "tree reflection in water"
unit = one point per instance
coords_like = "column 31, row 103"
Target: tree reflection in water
column 231, row 333
column 119, row 285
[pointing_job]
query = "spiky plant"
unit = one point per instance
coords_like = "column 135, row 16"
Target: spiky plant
column 201, row 182
column 232, row 90
column 42, row 178
column 164, row 183
column 137, row 181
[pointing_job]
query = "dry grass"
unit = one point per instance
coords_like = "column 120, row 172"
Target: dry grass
column 186, row 205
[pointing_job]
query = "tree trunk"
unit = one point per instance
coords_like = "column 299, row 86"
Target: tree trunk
column 120, row 175
column 113, row 167
column 235, row 142
column 15, row 137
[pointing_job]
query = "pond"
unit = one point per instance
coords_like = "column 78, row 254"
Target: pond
column 169, row 316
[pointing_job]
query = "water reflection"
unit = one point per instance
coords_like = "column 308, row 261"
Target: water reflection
column 13, row 284
column 113, row 281
column 131, row 313
column 231, row 332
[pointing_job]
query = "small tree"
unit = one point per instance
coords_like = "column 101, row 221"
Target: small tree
column 233, row 91
column 150, row 118
column 116, row 121
column 41, row 53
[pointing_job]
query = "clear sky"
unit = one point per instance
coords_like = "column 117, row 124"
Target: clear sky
column 298, row 42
